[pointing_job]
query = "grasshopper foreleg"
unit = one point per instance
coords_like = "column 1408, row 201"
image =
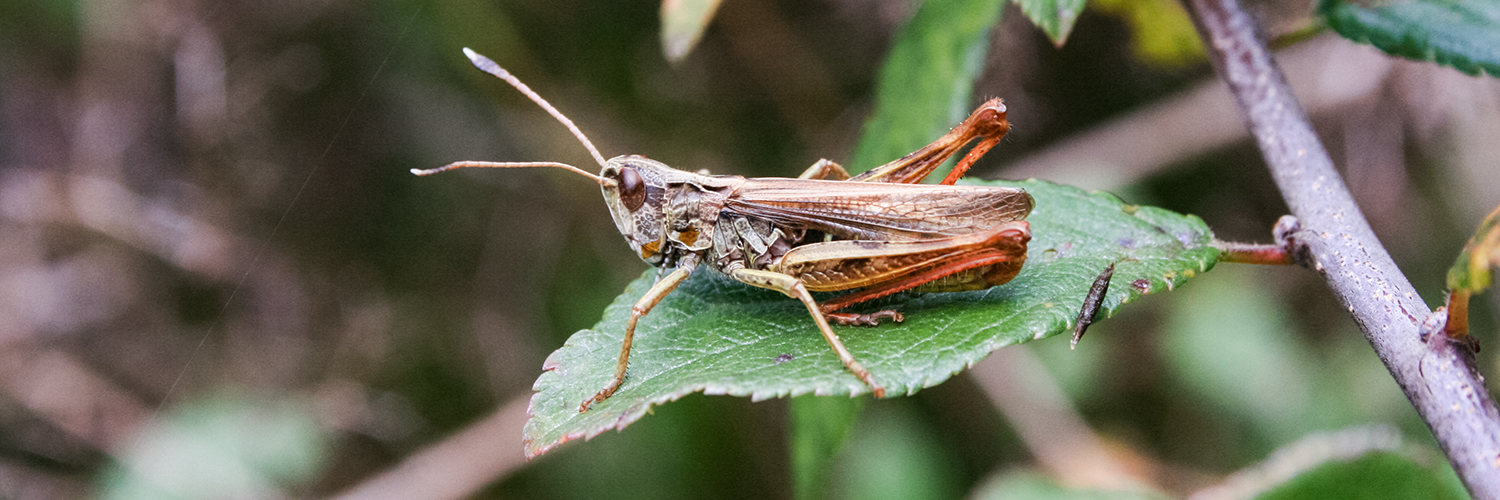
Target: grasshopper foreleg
column 641, row 308
column 794, row 288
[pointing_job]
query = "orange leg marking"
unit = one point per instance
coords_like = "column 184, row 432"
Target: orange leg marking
column 984, row 259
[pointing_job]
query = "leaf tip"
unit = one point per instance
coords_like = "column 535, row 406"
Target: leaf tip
column 682, row 25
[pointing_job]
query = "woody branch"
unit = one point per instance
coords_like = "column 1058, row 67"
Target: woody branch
column 1437, row 375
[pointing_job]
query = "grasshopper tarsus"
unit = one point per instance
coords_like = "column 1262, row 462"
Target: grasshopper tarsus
column 603, row 394
column 871, row 319
column 877, row 233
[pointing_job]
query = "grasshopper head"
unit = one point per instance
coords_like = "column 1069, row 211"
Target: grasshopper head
column 634, row 187
column 636, row 199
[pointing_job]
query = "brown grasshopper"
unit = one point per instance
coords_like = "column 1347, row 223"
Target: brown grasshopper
column 879, row 232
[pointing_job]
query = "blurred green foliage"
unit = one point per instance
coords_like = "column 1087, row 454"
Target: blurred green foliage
column 1023, row 485
column 1373, row 476
column 222, row 446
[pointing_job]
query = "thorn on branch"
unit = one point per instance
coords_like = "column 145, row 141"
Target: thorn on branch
column 1285, row 232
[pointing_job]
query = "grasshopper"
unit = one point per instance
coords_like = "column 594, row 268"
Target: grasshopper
column 877, row 233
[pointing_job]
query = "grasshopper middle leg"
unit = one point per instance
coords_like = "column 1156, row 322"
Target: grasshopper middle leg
column 794, row 288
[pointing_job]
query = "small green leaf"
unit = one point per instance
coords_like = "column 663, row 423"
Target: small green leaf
column 1464, row 34
column 926, row 81
column 722, row 337
column 682, row 25
column 1473, row 271
column 1055, row 17
column 1161, row 33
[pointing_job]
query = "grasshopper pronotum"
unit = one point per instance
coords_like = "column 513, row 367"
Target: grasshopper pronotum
column 880, row 232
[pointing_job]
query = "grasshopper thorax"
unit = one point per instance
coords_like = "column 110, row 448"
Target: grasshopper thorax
column 666, row 215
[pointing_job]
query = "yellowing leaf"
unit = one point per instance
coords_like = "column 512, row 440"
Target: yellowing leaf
column 682, row 25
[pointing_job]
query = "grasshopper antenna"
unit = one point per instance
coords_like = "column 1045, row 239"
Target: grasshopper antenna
column 489, row 66
column 511, row 164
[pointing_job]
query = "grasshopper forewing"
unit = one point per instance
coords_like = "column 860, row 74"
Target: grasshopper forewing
column 876, row 233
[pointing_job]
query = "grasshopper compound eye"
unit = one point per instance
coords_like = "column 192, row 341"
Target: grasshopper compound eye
column 632, row 189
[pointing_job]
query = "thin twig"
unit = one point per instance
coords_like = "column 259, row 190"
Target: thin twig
column 1048, row 425
column 458, row 466
column 1437, row 376
column 1252, row 253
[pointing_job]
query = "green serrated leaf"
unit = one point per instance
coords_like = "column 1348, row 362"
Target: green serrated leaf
column 927, row 79
column 1464, row 34
column 722, row 337
column 1055, row 17
column 682, row 25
